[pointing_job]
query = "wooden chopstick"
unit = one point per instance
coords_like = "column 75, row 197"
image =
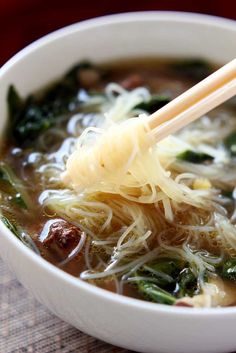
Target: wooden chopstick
column 195, row 102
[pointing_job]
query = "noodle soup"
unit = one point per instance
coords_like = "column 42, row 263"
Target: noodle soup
column 162, row 229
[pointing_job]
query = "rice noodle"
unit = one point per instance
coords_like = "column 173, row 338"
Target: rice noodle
column 148, row 208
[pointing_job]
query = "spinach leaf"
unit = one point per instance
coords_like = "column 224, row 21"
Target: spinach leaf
column 230, row 143
column 36, row 114
column 33, row 120
column 9, row 184
column 73, row 74
column 228, row 194
column 4, row 176
column 196, row 69
column 166, row 266
column 228, row 270
column 15, row 103
column 194, row 157
column 10, row 226
column 23, row 237
column 156, row 102
column 152, row 292
column 166, row 279
column 164, row 270
column 186, row 283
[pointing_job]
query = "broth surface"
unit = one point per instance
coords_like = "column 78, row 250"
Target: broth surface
column 35, row 142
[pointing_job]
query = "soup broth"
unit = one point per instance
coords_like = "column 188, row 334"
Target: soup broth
column 178, row 248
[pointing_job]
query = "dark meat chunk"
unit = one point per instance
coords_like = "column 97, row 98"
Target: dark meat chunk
column 132, row 81
column 62, row 234
column 88, row 77
column 61, row 243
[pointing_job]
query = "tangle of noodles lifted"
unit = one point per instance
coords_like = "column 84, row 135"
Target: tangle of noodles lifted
column 157, row 222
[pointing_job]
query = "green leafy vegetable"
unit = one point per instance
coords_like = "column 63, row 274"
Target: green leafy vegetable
column 10, row 226
column 15, row 103
column 230, row 143
column 167, row 266
column 165, row 280
column 10, row 185
column 23, row 237
column 73, row 74
column 186, row 283
column 196, row 69
column 155, row 293
column 35, row 115
column 164, row 270
column 156, row 102
column 228, row 270
column 194, row 157
column 228, row 194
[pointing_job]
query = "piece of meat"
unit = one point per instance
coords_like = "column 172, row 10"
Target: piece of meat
column 197, row 301
column 216, row 292
column 183, row 303
column 63, row 235
column 222, row 292
column 89, row 77
column 132, row 81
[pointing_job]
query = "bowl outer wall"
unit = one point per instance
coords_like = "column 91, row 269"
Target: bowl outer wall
column 126, row 322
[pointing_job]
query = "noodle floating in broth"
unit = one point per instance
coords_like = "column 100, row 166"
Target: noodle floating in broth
column 159, row 223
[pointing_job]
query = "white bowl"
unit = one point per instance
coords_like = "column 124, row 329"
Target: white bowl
column 126, row 322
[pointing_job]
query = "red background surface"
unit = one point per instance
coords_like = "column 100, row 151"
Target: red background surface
column 23, row 21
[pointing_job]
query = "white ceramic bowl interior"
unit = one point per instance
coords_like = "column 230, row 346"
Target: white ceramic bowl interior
column 126, row 322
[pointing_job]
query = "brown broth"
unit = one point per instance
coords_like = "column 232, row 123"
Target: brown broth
column 152, row 73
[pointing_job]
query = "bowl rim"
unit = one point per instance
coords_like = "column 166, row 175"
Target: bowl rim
column 174, row 16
